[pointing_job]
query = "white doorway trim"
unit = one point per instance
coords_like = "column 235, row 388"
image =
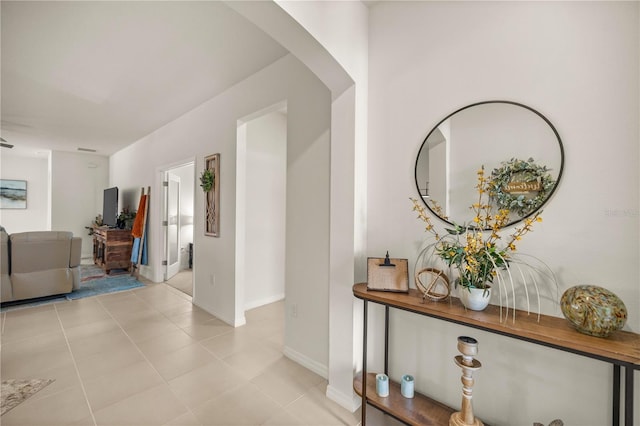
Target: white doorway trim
column 172, row 257
column 158, row 200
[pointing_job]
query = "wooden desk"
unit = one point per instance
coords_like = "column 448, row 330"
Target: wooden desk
column 621, row 349
column 112, row 248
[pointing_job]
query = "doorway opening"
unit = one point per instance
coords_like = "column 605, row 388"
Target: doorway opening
column 179, row 189
column 261, row 185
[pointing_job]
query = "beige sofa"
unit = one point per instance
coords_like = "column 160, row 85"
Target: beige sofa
column 38, row 264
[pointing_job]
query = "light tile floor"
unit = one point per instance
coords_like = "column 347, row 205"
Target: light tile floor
column 182, row 281
column 150, row 357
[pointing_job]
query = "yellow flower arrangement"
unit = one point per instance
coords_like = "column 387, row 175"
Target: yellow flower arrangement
column 473, row 249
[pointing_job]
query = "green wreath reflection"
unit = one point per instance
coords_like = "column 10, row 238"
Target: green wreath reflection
column 514, row 172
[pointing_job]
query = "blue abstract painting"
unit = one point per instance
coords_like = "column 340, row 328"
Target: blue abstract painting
column 13, row 194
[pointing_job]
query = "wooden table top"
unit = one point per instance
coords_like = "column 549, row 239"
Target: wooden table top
column 621, row 347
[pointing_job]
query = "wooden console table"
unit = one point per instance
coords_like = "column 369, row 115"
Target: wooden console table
column 112, row 248
column 621, row 349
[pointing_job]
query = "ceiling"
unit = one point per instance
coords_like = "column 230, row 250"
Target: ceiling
column 102, row 75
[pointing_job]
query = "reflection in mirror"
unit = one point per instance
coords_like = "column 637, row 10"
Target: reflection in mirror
column 519, row 148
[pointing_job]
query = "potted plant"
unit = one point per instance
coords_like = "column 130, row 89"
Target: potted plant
column 95, row 224
column 126, row 219
column 472, row 250
column 207, row 180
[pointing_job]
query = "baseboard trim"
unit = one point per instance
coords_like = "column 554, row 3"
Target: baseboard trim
column 262, row 302
column 306, row 362
column 234, row 322
column 350, row 402
column 240, row 320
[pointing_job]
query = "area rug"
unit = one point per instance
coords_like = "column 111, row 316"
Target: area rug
column 16, row 391
column 93, row 282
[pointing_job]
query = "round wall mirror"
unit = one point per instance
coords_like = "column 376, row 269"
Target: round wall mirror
column 520, row 150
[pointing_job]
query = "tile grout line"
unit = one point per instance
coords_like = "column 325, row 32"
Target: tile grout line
column 200, row 343
column 144, row 356
column 285, row 407
column 151, row 303
column 181, row 293
column 75, row 365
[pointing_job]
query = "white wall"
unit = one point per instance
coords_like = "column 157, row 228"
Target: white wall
column 73, row 187
column 77, row 185
column 342, row 29
column 35, row 170
column 331, row 39
column 578, row 64
column 211, row 128
column 265, row 209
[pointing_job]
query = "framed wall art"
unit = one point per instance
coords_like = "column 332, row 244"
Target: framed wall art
column 13, row 194
column 210, row 183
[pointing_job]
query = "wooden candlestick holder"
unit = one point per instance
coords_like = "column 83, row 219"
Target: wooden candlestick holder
column 468, row 347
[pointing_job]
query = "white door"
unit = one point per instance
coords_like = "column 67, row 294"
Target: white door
column 172, row 221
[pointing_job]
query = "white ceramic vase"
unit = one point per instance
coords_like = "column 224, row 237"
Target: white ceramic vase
column 475, row 299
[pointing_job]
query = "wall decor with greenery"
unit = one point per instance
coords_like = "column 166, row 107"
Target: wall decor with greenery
column 207, row 180
column 516, row 171
column 210, row 183
column 477, row 257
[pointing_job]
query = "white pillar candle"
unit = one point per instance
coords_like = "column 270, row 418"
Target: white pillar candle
column 406, row 387
column 382, row 385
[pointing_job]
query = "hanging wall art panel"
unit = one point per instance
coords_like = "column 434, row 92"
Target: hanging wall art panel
column 212, row 195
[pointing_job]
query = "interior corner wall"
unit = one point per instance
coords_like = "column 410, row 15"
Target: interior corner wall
column 35, row 170
column 578, row 64
column 265, row 214
column 211, row 128
column 77, row 185
column 342, row 29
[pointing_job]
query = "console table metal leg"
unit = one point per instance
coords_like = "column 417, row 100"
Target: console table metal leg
column 386, row 340
column 628, row 396
column 363, row 407
column 616, row 395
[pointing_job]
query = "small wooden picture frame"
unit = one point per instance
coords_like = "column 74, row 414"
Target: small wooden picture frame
column 387, row 274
